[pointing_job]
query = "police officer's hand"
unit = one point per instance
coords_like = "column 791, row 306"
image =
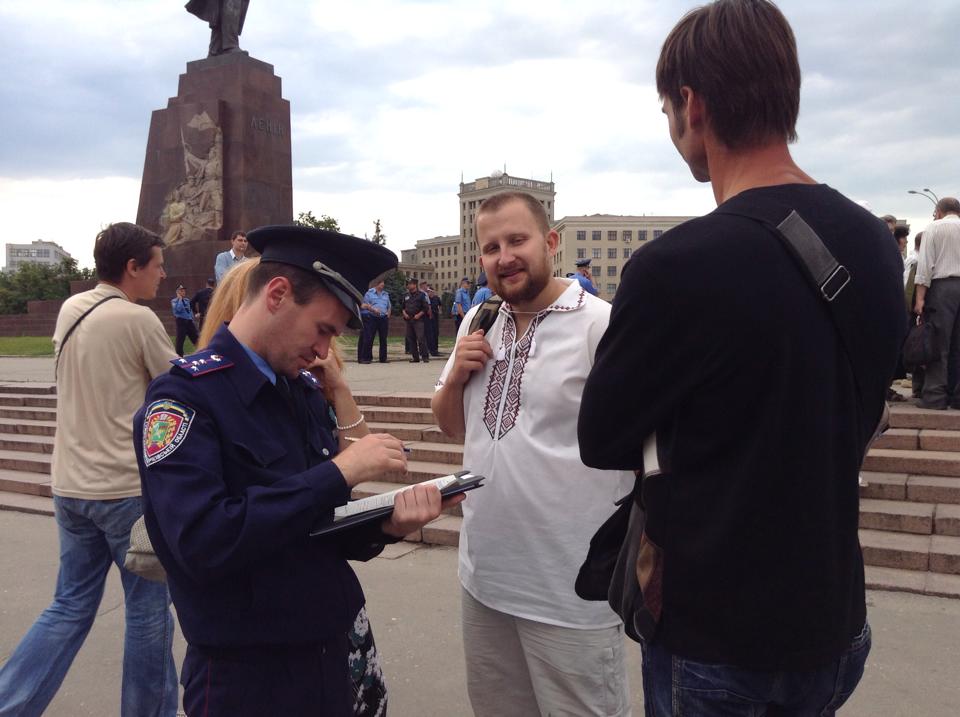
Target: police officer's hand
column 472, row 354
column 368, row 458
column 415, row 507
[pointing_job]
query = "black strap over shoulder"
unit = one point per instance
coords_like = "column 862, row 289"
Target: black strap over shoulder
column 70, row 331
column 486, row 315
column 831, row 281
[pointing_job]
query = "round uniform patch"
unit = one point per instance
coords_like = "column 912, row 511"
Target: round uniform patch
column 165, row 426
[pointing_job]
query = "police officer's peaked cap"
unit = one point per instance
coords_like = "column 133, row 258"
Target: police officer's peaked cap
column 583, row 262
column 482, row 279
column 341, row 262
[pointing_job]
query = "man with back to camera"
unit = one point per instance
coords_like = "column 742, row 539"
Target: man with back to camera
column 938, row 290
column 228, row 259
column 531, row 645
column 201, row 301
column 105, row 359
column 240, row 456
column 483, row 291
column 757, row 415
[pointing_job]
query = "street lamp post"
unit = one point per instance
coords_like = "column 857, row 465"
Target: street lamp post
column 931, row 196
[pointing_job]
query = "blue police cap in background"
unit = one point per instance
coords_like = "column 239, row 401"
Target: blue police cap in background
column 482, row 279
column 344, row 264
column 583, row 262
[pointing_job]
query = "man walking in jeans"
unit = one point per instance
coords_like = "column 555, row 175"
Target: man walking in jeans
column 105, row 359
column 754, row 407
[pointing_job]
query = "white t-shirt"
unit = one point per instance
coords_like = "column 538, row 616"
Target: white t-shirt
column 526, row 531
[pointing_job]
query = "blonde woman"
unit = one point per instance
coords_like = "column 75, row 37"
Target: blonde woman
column 227, row 298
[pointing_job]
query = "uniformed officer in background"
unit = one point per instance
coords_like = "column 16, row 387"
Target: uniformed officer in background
column 584, row 277
column 240, row 455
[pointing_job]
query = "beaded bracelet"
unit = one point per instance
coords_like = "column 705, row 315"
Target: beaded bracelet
column 352, row 425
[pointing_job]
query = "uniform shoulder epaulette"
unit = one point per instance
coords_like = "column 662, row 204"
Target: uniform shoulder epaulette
column 310, row 379
column 202, row 363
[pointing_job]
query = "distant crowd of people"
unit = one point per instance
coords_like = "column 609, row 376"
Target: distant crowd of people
column 679, row 466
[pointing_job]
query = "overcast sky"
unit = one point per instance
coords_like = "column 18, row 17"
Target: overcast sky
column 392, row 101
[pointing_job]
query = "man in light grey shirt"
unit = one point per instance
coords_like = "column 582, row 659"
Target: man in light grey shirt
column 228, row 259
column 938, row 291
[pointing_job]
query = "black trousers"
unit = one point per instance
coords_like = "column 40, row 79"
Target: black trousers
column 311, row 679
column 373, row 326
column 418, row 342
column 186, row 328
column 943, row 303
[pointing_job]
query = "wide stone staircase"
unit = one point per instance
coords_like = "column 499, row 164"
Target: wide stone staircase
column 909, row 509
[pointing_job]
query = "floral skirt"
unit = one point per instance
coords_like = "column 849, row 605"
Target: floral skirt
column 369, row 690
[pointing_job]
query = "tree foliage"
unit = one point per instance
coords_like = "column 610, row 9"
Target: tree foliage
column 378, row 236
column 395, row 284
column 34, row 282
column 306, row 219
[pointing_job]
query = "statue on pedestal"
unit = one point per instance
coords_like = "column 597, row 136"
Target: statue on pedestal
column 226, row 22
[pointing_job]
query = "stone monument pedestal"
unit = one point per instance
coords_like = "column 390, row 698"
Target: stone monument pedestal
column 218, row 159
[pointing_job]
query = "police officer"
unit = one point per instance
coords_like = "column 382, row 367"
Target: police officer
column 584, row 277
column 483, row 291
column 239, row 456
column 183, row 314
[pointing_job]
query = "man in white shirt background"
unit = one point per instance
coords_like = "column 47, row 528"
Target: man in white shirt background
column 938, row 290
column 532, row 645
column 228, row 259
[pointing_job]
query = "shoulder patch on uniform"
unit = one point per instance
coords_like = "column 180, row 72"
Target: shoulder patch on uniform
column 309, row 379
column 165, row 426
column 202, row 363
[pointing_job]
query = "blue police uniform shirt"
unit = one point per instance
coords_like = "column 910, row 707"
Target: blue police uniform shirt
column 483, row 293
column 260, row 363
column 586, row 284
column 378, row 301
column 461, row 299
column 181, row 308
column 233, row 480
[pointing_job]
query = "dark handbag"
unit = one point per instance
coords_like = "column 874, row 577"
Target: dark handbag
column 920, row 347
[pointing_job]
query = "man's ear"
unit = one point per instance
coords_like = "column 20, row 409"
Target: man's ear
column 276, row 292
column 693, row 109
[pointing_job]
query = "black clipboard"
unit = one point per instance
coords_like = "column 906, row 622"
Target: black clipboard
column 465, row 480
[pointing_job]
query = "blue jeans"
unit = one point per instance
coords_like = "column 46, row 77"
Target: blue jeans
column 93, row 534
column 675, row 687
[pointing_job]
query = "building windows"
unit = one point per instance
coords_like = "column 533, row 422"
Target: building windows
column 581, row 253
column 611, row 252
column 642, row 235
column 581, row 234
column 626, row 252
column 612, row 235
column 628, row 235
column 596, row 234
column 611, row 270
column 596, row 253
column 657, row 233
column 611, row 288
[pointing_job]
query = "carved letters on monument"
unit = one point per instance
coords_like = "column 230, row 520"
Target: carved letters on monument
column 193, row 209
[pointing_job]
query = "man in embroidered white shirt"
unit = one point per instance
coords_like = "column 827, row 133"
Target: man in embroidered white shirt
column 532, row 646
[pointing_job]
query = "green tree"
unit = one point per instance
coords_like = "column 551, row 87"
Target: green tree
column 34, row 282
column 306, row 219
column 395, row 284
column 378, row 236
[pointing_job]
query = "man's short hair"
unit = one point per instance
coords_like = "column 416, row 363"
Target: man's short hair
column 304, row 285
column 740, row 56
column 118, row 244
column 948, row 205
column 238, row 233
column 498, row 201
column 901, row 232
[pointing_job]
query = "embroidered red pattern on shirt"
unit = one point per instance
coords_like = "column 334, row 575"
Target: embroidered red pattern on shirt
column 495, row 387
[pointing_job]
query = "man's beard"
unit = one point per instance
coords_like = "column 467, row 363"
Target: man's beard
column 522, row 293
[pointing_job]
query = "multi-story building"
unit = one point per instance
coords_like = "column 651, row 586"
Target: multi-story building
column 37, row 252
column 472, row 196
column 607, row 240
column 443, row 254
